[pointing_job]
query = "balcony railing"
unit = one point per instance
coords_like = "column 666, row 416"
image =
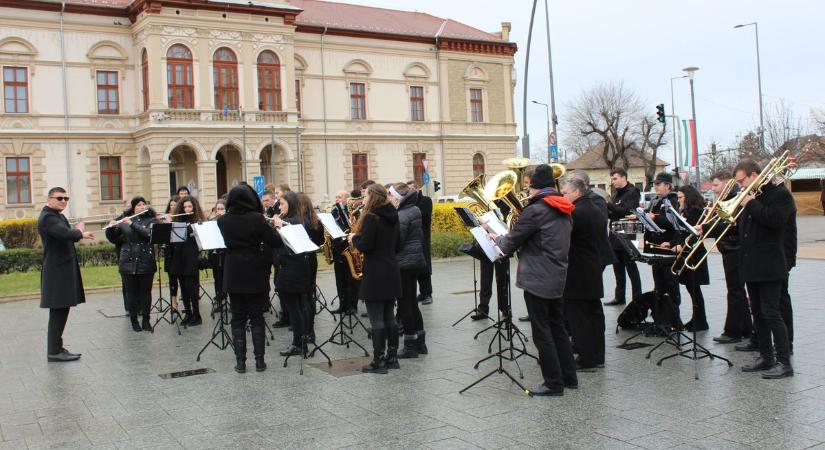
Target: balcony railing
column 201, row 116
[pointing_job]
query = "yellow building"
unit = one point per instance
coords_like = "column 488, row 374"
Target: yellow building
column 114, row 98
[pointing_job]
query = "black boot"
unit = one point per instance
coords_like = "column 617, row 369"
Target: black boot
column 422, row 345
column 239, row 339
column 187, row 312
column 196, row 314
column 135, row 323
column 259, row 346
column 410, row 348
column 145, row 323
column 379, row 363
column 392, row 348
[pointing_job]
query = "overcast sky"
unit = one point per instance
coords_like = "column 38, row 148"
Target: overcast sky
column 644, row 43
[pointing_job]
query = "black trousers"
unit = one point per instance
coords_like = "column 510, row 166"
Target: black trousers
column 381, row 314
column 125, row 300
column 551, row 340
column 217, row 275
column 173, row 284
column 767, row 317
column 738, row 321
column 486, row 279
column 786, row 310
column 697, row 299
column 342, row 283
column 284, row 317
column 249, row 308
column 138, row 290
column 301, row 307
column 408, row 304
column 425, row 283
column 586, row 319
column 624, row 265
column 189, row 293
column 57, row 323
column 666, row 284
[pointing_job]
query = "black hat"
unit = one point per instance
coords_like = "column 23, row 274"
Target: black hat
column 663, row 177
column 542, row 177
column 356, row 193
column 137, row 199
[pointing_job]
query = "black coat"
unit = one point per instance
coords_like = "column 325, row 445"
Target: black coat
column 60, row 283
column 700, row 276
column 606, row 255
column 248, row 240
column 410, row 257
column 730, row 242
column 379, row 239
column 136, row 255
column 584, row 271
column 296, row 273
column 657, row 208
column 762, row 235
column 185, row 255
column 623, row 203
column 425, row 205
column 341, row 215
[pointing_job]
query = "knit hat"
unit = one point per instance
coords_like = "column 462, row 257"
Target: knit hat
column 542, row 177
column 137, row 199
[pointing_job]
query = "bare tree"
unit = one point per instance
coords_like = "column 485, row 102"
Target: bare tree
column 651, row 137
column 783, row 128
column 716, row 159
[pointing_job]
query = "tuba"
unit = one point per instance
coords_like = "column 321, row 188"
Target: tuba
column 503, row 186
column 475, row 190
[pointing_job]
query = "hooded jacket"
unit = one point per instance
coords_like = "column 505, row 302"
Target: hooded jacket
column 135, row 255
column 410, row 257
column 379, row 239
column 542, row 237
column 249, row 240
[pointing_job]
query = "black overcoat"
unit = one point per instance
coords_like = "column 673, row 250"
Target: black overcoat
column 379, row 239
column 136, row 255
column 185, row 256
column 296, row 273
column 657, row 207
column 425, row 205
column 584, row 269
column 60, row 283
column 762, row 235
column 700, row 276
column 606, row 255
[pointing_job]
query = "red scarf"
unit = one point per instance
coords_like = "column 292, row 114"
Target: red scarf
column 562, row 204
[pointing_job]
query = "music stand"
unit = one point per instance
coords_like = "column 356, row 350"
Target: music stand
column 160, row 236
column 208, row 237
column 475, row 252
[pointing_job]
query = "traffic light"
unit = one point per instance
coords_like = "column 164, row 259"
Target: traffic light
column 660, row 112
column 436, row 186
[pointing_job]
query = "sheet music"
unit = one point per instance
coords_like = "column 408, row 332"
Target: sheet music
column 208, row 235
column 679, row 222
column 497, row 227
column 329, row 223
column 296, row 238
column 179, row 232
column 649, row 224
column 490, row 249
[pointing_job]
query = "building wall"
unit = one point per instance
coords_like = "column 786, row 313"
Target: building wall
column 154, row 142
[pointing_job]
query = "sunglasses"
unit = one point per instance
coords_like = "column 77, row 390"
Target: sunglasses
column 60, row 198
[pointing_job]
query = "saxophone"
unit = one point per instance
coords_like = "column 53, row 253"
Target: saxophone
column 355, row 259
column 327, row 246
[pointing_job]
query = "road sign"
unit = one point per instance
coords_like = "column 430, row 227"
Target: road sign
column 426, row 163
column 553, row 152
column 258, row 184
column 426, row 178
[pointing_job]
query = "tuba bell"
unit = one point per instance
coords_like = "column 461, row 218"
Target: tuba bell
column 475, row 190
column 502, row 186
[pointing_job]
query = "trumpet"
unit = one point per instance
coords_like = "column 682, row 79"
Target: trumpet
column 120, row 221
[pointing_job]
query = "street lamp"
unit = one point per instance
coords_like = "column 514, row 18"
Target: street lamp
column 673, row 120
column 689, row 71
column 759, row 82
column 547, row 109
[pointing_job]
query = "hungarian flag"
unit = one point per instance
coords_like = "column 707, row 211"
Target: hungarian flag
column 691, row 158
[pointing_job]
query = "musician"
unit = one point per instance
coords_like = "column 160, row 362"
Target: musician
column 61, row 285
column 623, row 202
column 542, row 237
column 664, row 281
column 347, row 299
column 762, row 228
column 294, row 277
column 271, row 205
column 171, row 206
column 411, row 262
column 315, row 230
column 136, row 261
column 738, row 320
column 183, row 191
column 691, row 205
column 127, row 205
column 425, row 205
column 216, row 258
column 248, row 239
column 184, row 262
column 583, row 288
column 485, row 292
column 376, row 234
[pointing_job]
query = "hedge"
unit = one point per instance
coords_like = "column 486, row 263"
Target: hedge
column 445, row 219
column 26, row 259
column 445, row 244
column 19, row 233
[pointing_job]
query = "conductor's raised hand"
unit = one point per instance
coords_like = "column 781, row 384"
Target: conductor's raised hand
column 88, row 235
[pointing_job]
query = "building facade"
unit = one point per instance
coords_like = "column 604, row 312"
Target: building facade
column 114, row 98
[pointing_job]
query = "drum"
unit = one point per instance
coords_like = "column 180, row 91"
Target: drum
column 627, row 227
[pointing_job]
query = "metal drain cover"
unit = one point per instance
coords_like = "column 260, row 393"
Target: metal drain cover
column 186, row 373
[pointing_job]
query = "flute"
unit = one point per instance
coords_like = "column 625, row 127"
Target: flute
column 165, row 217
column 118, row 222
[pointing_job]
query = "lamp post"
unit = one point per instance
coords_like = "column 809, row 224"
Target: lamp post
column 547, row 109
column 759, row 82
column 689, row 71
column 673, row 120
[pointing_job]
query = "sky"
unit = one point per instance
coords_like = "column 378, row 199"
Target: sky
column 643, row 43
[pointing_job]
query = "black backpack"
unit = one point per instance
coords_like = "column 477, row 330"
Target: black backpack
column 635, row 313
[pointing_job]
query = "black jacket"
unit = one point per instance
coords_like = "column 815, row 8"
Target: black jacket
column 425, row 205
column 542, row 237
column 700, row 276
column 296, row 273
column 248, row 240
column 185, row 255
column 657, row 208
column 136, row 255
column 410, row 256
column 60, row 283
column 379, row 239
column 763, row 229
column 584, row 271
column 623, row 203
column 730, row 242
column 606, row 255
column 341, row 215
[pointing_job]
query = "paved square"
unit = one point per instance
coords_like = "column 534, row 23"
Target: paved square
column 114, row 398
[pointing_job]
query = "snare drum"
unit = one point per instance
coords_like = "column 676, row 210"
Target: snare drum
column 627, row 227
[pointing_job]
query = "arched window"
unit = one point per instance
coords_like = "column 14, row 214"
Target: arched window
column 478, row 164
column 145, row 77
column 269, row 81
column 225, row 75
column 179, row 77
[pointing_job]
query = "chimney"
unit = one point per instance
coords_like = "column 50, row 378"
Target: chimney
column 505, row 31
